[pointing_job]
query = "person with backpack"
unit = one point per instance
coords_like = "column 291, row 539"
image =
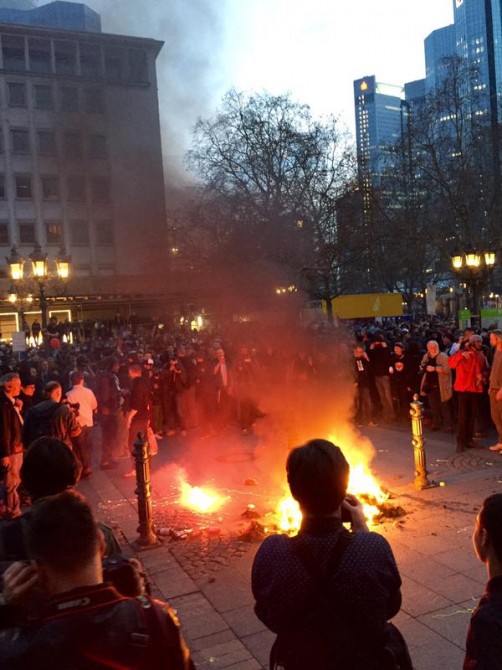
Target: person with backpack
column 328, row 593
column 83, row 622
column 51, row 418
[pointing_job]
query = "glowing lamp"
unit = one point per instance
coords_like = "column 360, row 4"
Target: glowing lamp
column 489, row 258
column 39, row 262
column 16, row 264
column 12, row 295
column 63, row 264
column 472, row 258
column 457, row 260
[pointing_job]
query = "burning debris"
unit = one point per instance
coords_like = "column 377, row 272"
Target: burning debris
column 250, row 512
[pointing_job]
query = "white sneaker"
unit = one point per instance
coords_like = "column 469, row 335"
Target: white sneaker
column 496, row 447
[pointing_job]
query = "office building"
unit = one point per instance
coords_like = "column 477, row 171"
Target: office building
column 81, row 161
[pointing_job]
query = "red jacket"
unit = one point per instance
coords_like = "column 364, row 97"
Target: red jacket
column 471, row 367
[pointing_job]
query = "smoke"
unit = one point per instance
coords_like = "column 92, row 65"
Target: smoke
column 189, row 67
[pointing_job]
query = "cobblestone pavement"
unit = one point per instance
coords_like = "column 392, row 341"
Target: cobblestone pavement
column 203, row 566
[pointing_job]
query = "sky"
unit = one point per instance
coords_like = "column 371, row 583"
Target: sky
column 313, row 49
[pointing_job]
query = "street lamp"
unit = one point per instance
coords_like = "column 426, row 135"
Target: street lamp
column 473, row 267
column 40, row 274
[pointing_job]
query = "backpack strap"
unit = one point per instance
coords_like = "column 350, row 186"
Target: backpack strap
column 301, row 549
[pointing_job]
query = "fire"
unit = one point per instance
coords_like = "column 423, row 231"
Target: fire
column 362, row 484
column 199, row 499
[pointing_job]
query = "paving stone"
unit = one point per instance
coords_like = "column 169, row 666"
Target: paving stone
column 260, row 644
column 225, row 654
column 197, row 616
column 457, row 587
column 174, row 582
column 451, row 622
column 418, row 599
column 243, row 621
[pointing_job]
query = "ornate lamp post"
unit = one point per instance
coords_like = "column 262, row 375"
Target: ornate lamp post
column 473, row 267
column 40, row 274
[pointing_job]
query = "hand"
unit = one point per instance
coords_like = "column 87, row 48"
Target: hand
column 18, row 403
column 430, row 368
column 19, row 580
column 352, row 505
column 5, row 462
column 466, row 355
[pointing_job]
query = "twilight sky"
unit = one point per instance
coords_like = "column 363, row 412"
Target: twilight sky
column 314, row 49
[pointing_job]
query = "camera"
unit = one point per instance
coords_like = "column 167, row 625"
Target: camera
column 125, row 576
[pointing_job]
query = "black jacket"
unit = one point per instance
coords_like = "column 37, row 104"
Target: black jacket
column 10, row 428
column 95, row 627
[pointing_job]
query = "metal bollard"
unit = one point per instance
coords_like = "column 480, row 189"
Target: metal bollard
column 416, row 413
column 147, row 536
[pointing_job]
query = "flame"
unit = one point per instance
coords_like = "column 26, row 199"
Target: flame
column 362, row 484
column 199, row 499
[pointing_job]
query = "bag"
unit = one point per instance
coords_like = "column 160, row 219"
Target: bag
column 327, row 639
column 153, row 445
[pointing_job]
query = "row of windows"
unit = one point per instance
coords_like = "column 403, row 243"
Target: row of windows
column 66, row 98
column 72, row 144
column 77, row 188
column 73, row 58
column 54, row 234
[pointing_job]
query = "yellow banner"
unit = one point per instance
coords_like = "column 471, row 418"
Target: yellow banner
column 367, row 305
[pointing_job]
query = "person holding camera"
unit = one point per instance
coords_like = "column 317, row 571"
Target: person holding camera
column 84, row 621
column 52, row 418
column 328, row 593
column 471, row 373
column 83, row 402
column 173, row 384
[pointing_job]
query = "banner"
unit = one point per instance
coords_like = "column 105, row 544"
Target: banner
column 430, row 299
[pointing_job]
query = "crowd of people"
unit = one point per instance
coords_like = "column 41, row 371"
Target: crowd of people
column 62, row 607
column 457, row 375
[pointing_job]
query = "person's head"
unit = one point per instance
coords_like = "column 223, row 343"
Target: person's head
column 112, row 364
column 496, row 338
column 358, row 351
column 399, row 348
column 476, row 342
column 64, row 541
column 49, row 467
column 77, row 378
column 44, row 366
column 53, row 391
column 318, row 475
column 432, row 348
column 28, row 384
column 135, row 370
column 487, row 536
column 11, row 384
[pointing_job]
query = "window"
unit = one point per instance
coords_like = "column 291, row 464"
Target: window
column 17, row 94
column 97, row 146
column 104, row 232
column 76, row 189
column 43, row 96
column 4, row 234
column 114, row 63
column 2, row 187
column 90, row 60
column 23, row 187
column 100, row 189
column 94, row 100
column 13, row 53
column 50, row 188
column 53, row 232
column 69, row 99
column 72, row 145
column 66, row 57
column 46, row 142
column 40, row 55
column 20, row 141
column 27, row 232
column 138, row 66
column 79, row 232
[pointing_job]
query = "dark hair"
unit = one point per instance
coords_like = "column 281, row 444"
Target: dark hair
column 49, row 467
column 50, row 387
column 318, row 476
column 62, row 532
column 76, row 377
column 490, row 518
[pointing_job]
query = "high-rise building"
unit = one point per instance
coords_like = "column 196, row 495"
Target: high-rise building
column 439, row 47
column 81, row 160
column 378, row 125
